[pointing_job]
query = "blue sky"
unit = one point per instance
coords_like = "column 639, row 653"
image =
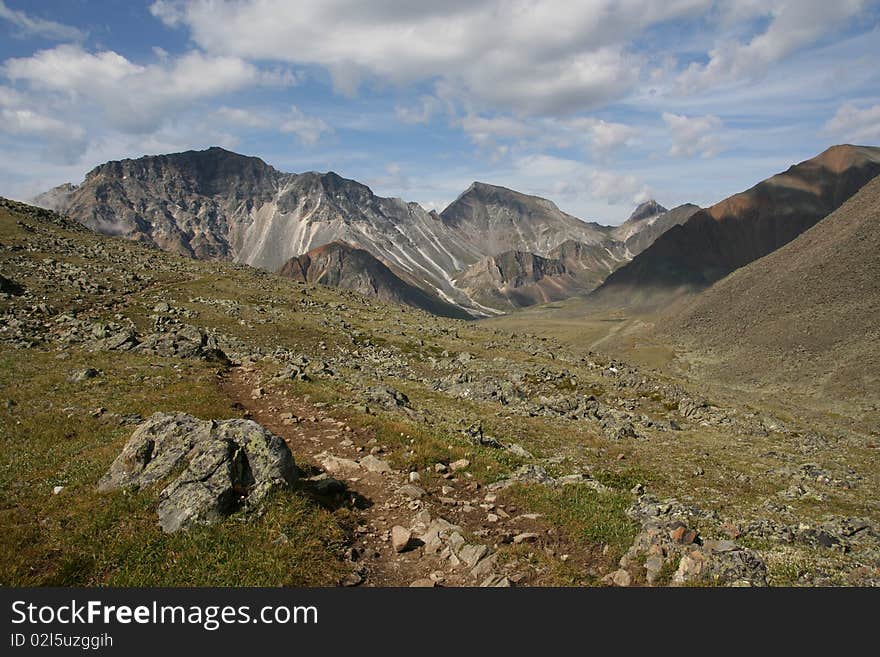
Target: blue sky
column 594, row 104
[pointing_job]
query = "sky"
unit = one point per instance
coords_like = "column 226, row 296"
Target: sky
column 595, row 104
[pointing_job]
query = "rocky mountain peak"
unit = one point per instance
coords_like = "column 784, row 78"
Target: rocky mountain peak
column 646, row 209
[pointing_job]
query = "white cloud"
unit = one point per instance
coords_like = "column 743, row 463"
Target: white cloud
column 693, row 135
column 603, row 137
column 861, row 126
column 420, row 112
column 28, row 122
column 554, row 57
column 618, row 188
column 34, row 26
column 307, row 128
column 249, row 118
column 793, row 25
column 134, row 97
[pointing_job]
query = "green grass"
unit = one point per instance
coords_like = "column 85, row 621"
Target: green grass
column 590, row 519
column 49, row 438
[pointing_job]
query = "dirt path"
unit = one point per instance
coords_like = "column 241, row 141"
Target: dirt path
column 455, row 526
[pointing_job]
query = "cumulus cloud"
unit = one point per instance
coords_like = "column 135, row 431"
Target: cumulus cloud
column 553, row 57
column 618, row 188
column 603, row 137
column 28, row 25
column 793, row 25
column 693, row 135
column 134, row 97
column 861, row 126
column 307, row 128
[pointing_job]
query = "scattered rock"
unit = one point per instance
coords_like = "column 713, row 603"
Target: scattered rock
column 400, row 538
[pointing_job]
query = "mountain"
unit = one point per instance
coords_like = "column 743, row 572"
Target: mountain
column 506, row 220
column 215, row 204
column 714, row 242
column 808, row 313
column 342, row 265
column 649, row 221
column 515, row 279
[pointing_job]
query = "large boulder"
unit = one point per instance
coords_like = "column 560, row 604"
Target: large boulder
column 222, row 466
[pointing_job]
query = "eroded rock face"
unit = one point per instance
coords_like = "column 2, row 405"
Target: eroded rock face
column 225, row 465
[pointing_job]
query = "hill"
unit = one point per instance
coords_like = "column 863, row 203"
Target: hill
column 806, row 315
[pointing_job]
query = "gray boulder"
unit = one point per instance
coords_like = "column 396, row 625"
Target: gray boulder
column 222, row 466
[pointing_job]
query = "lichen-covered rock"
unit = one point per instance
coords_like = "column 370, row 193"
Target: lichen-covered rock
column 225, row 465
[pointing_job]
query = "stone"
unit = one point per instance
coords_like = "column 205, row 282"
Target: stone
column 519, row 450
column 525, row 537
column 83, row 375
column 400, row 538
column 621, row 578
column 374, row 464
column 412, row 491
column 460, row 464
column 414, row 477
column 425, row 582
column 471, row 554
column 484, row 567
column 338, row 465
column 225, row 466
column 387, row 396
column 57, row 489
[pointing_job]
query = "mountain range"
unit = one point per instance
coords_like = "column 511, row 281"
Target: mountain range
column 492, row 250
column 215, row 204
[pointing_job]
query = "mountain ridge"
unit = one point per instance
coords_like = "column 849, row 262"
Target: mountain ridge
column 217, row 204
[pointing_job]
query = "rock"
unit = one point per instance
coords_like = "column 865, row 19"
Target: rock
column 527, row 474
column 519, row 450
column 411, row 491
column 414, row 477
column 621, row 578
column 337, row 464
column 425, row 582
column 83, row 374
column 471, row 554
column 525, row 537
column 496, row 581
column 57, row 489
column 484, row 567
column 400, row 538
column 460, row 464
column 739, row 567
column 226, row 465
column 387, row 396
column 373, row 464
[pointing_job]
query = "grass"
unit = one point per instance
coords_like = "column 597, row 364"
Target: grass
column 80, row 537
column 591, row 520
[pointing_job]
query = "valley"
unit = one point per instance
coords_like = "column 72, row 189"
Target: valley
column 563, row 444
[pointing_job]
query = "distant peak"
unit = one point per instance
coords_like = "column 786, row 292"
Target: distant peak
column 647, row 209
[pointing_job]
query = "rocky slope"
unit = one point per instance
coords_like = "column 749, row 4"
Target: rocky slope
column 215, row 204
column 342, row 265
column 807, row 314
column 746, row 226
